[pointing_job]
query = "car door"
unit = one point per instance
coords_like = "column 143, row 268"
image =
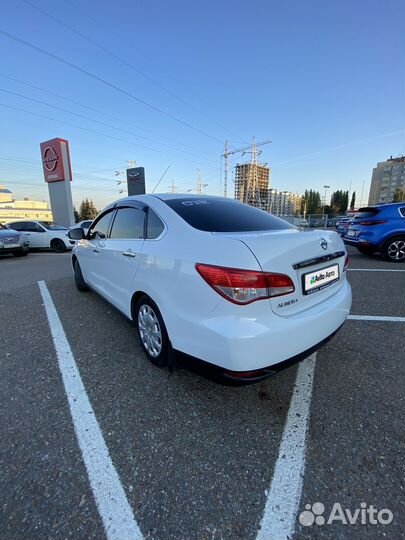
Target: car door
column 37, row 235
column 90, row 251
column 121, row 254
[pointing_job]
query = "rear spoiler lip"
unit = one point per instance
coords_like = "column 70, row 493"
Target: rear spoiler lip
column 319, row 260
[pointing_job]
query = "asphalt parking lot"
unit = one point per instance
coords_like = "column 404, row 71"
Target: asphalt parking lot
column 191, row 459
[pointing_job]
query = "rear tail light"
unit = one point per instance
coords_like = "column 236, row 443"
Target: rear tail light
column 347, row 260
column 245, row 286
column 368, row 223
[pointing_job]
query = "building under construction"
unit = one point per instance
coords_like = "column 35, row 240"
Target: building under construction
column 252, row 182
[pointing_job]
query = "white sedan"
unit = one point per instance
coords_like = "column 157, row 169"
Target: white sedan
column 216, row 279
column 44, row 234
column 83, row 224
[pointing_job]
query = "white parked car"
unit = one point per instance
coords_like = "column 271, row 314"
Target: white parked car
column 44, row 234
column 83, row 224
column 219, row 280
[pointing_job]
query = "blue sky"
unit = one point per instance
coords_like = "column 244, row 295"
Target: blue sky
column 323, row 80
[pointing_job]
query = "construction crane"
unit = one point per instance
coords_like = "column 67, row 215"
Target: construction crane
column 228, row 153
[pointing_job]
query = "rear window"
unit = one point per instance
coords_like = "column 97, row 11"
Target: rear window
column 366, row 213
column 225, row 215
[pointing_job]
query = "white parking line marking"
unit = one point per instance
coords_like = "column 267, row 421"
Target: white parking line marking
column 280, row 512
column 374, row 270
column 376, row 318
column 116, row 514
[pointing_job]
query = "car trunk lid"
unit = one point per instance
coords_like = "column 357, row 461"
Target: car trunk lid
column 319, row 255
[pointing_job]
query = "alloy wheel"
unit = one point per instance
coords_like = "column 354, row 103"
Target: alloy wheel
column 396, row 250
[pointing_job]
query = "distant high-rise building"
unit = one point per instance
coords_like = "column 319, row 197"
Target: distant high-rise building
column 252, row 184
column 387, row 177
column 283, row 203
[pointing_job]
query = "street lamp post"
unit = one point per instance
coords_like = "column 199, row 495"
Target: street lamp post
column 324, row 204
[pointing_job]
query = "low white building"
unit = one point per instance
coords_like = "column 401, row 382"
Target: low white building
column 11, row 209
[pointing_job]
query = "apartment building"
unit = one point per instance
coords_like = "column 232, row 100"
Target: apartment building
column 387, row 177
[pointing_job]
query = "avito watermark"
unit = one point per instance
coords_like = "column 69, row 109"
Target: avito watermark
column 366, row 514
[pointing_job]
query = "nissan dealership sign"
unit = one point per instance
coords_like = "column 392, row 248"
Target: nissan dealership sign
column 56, row 160
column 58, row 175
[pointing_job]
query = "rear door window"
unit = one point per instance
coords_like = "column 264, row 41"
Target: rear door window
column 225, row 215
column 155, row 225
column 18, row 226
column 128, row 223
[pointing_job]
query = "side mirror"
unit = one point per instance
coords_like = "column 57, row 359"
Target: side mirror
column 76, row 234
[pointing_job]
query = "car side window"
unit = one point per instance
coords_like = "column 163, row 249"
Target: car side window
column 128, row 223
column 30, row 226
column 402, row 211
column 18, row 226
column 155, row 225
column 101, row 226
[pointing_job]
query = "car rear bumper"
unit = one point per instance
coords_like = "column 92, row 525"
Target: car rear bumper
column 353, row 241
column 22, row 247
column 251, row 344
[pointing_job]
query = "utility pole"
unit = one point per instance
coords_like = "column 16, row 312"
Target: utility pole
column 199, row 184
column 228, row 153
column 324, row 204
column 362, row 191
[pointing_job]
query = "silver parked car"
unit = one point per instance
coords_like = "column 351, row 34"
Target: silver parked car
column 12, row 241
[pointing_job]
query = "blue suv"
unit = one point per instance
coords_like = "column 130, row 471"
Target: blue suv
column 379, row 228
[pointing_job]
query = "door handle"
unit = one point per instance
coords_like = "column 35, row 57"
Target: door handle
column 95, row 250
column 129, row 254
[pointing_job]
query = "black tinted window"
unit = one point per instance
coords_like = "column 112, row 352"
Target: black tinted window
column 225, row 215
column 30, row 226
column 128, row 223
column 101, row 226
column 366, row 213
column 19, row 226
column 402, row 211
column 155, row 225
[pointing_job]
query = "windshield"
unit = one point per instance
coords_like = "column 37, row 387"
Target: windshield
column 50, row 225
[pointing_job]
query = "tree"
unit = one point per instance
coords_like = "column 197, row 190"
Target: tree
column 311, row 202
column 339, row 201
column 76, row 215
column 353, row 201
column 399, row 195
column 87, row 210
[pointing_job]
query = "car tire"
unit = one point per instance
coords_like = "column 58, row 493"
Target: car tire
column 152, row 331
column 365, row 250
column 79, row 279
column 58, row 245
column 393, row 249
column 20, row 253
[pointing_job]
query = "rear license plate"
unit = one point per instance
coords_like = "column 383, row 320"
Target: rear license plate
column 351, row 233
column 320, row 279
